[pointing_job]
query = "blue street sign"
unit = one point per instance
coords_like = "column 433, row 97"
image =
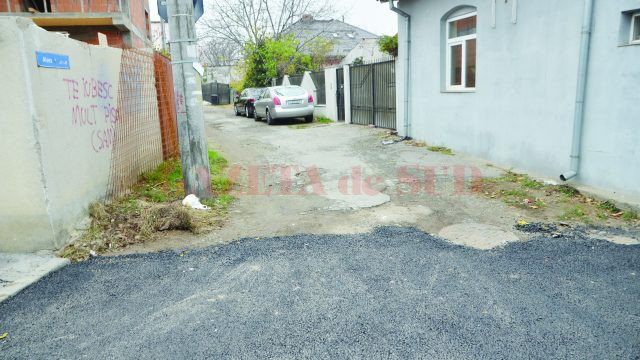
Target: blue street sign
column 198, row 9
column 55, row 61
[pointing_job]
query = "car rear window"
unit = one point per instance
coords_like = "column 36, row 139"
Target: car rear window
column 290, row 91
column 254, row 92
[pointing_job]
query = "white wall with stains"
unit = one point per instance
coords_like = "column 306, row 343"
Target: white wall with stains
column 56, row 134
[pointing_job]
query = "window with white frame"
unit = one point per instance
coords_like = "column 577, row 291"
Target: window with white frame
column 635, row 29
column 460, row 66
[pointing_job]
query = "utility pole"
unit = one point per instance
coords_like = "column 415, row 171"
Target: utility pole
column 193, row 146
column 164, row 37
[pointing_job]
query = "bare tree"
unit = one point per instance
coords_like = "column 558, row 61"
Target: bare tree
column 217, row 52
column 242, row 21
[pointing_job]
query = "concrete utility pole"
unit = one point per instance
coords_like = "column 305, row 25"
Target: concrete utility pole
column 193, row 146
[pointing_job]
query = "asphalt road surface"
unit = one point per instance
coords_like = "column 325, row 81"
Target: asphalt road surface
column 393, row 293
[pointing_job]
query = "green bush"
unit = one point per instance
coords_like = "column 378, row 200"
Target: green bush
column 389, row 45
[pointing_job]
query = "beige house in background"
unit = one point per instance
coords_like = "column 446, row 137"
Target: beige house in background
column 368, row 50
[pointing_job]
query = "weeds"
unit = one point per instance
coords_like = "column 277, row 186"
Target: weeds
column 532, row 184
column 152, row 207
column 441, row 149
column 299, row 126
column 573, row 213
column 608, row 206
column 323, row 120
column 510, row 176
column 217, row 163
column 567, row 190
column 629, row 215
column 316, row 121
column 554, row 202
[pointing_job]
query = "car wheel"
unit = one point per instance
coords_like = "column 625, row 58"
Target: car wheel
column 255, row 116
column 235, row 110
column 270, row 120
column 308, row 119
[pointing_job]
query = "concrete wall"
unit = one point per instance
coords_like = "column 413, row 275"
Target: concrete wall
column 611, row 138
column 308, row 84
column 347, row 94
column 330, row 83
column 521, row 113
column 56, row 136
column 132, row 16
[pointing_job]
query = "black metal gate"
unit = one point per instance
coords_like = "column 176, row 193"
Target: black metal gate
column 296, row 79
column 340, row 93
column 373, row 94
column 216, row 93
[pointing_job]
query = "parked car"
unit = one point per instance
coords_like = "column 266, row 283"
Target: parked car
column 284, row 102
column 243, row 104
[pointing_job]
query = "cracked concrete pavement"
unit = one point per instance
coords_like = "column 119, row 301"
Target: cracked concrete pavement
column 333, row 151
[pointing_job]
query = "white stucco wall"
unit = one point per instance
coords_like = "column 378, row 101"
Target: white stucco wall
column 307, row 84
column 56, row 135
column 330, row 82
column 368, row 50
column 347, row 94
column 521, row 114
column 611, row 137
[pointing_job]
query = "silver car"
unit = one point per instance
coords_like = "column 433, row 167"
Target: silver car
column 284, row 102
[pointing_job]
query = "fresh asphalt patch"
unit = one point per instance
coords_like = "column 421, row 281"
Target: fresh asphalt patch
column 393, row 293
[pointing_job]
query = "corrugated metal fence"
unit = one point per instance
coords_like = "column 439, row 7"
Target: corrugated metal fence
column 318, row 78
column 373, row 94
column 296, row 79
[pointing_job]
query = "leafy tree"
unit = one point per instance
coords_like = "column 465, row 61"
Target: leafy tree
column 270, row 58
column 389, row 44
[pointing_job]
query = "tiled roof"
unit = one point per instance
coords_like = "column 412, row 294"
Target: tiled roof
column 345, row 36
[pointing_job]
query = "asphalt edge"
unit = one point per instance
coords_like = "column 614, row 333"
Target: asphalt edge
column 53, row 264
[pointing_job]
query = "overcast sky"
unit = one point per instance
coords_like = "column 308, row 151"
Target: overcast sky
column 367, row 14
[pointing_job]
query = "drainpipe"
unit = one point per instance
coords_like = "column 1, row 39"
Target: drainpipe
column 407, row 73
column 578, row 115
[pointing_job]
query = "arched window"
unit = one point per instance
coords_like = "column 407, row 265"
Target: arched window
column 460, row 47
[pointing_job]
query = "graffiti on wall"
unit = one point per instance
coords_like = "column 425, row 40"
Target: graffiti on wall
column 93, row 106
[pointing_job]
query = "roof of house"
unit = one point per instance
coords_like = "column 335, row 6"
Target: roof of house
column 345, row 36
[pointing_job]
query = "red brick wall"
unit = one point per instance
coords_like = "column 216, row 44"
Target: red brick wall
column 89, row 5
column 16, row 6
column 137, row 8
column 89, row 34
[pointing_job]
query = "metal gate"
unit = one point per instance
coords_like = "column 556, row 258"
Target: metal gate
column 296, row 79
column 373, row 94
column 340, row 93
column 216, row 93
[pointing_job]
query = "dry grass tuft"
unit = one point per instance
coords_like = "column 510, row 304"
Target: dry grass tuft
column 153, row 207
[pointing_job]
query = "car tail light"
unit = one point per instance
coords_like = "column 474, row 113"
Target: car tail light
column 310, row 99
column 276, row 101
column 251, row 101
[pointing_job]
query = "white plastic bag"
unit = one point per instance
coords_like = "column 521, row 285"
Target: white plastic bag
column 192, row 201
